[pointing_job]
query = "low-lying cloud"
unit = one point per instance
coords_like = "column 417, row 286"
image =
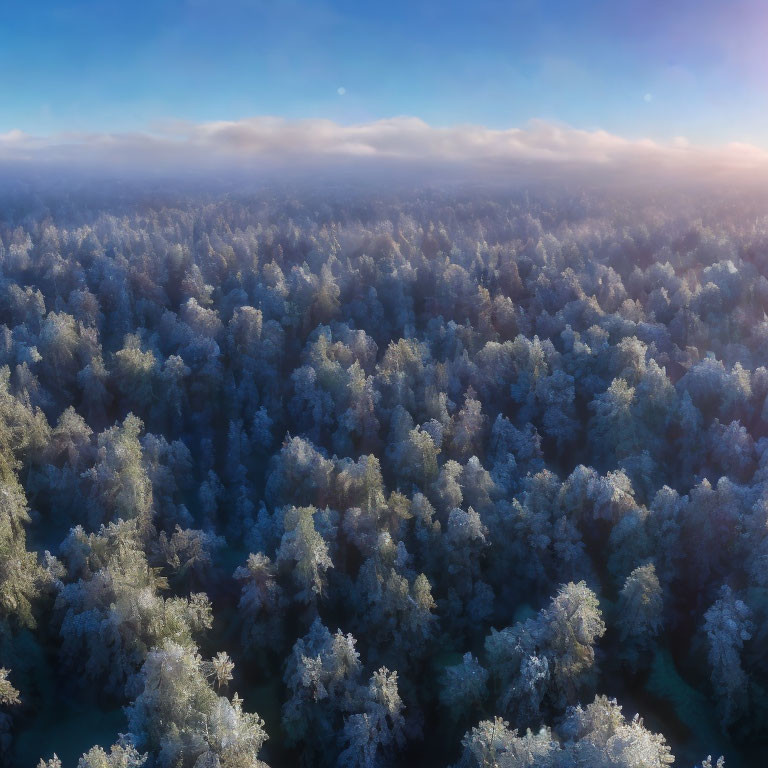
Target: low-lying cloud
column 407, row 142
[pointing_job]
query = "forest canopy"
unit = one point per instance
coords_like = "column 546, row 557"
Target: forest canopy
column 368, row 476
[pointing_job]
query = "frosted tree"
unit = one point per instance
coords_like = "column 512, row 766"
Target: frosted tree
column 323, row 678
column 261, row 602
column 664, row 524
column 53, row 762
column 573, row 624
column 178, row 716
column 520, row 669
column 397, row 608
column 639, row 614
column 613, row 429
column 113, row 615
column 728, row 626
column 548, row 658
column 60, row 345
column 135, row 371
column 463, row 687
column 299, row 474
column 305, row 550
column 371, row 737
column 599, row 735
column 477, row 485
column 468, row 598
column 188, row 554
column 415, row 458
column 21, row 578
column 448, row 493
column 556, row 394
column 8, row 694
column 121, row 755
column 466, row 432
column 492, row 744
column 119, row 485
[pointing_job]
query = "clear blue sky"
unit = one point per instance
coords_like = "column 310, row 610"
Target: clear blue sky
column 657, row 68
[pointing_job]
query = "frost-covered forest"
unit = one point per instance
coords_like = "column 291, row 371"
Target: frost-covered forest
column 319, row 477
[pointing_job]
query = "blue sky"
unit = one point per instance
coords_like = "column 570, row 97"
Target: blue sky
column 636, row 69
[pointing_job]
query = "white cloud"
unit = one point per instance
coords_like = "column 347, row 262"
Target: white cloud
column 272, row 142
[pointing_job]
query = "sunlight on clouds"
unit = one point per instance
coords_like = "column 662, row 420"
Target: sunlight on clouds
column 273, row 142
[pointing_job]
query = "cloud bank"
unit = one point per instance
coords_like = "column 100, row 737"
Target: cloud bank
column 401, row 142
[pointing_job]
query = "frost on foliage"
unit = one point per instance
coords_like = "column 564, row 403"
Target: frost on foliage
column 8, row 694
column 466, row 431
column 300, row 474
column 639, row 614
column 121, row 755
column 220, row 669
column 305, row 550
column 261, row 602
column 322, row 676
column 492, row 743
column 549, row 657
column 573, row 624
column 189, row 553
column 21, row 578
column 119, row 485
column 112, row 615
column 464, row 686
column 396, row 605
column 178, row 715
column 421, row 413
column 53, row 762
column 597, row 736
column 371, row 737
column 728, row 626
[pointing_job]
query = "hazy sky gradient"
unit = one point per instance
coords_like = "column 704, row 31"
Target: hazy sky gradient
column 693, row 68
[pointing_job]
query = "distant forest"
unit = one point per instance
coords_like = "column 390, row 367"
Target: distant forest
column 382, row 477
